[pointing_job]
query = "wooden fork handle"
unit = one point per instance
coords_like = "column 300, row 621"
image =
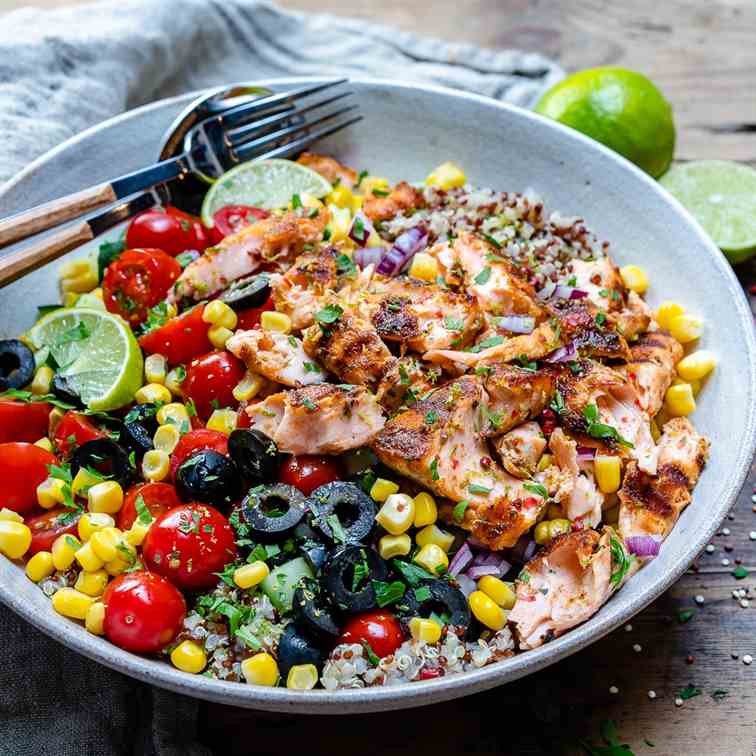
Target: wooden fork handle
column 34, row 256
column 39, row 218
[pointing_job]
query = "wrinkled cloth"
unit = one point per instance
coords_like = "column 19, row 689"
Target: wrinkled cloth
column 65, row 70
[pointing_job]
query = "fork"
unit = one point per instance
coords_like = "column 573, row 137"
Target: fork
column 270, row 126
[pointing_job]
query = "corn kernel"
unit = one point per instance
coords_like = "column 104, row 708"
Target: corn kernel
column 64, row 550
column 248, row 387
column 40, row 566
column 10, row 515
column 83, row 481
column 95, row 619
column 126, row 559
column 426, row 512
column 155, row 465
column 546, row 461
column 425, row 630
column 189, row 656
column 424, row 267
column 105, row 543
column 73, row 268
column 173, row 380
column 166, row 438
column 434, row 534
column 486, row 610
column 341, row 196
column 498, row 591
column 374, row 182
column 91, row 522
column 87, row 558
column 433, row 558
column 93, row 583
column 44, row 443
column 397, row 513
column 105, row 497
column 338, row 225
column 220, row 314
column 686, row 328
column 382, row 489
column 42, row 380
column 174, row 413
column 608, row 471
column 391, row 546
column 696, row 365
column 218, row 336
column 69, row 298
column 153, row 393
column 695, row 386
column 446, row 176
column 260, row 669
column 250, row 575
column 78, row 276
column 223, row 420
column 56, row 415
column 136, row 534
column 667, row 312
column 634, row 278
column 50, row 493
column 155, row 368
column 679, row 400
column 72, row 603
column 542, row 533
column 559, row 527
column 302, row 677
column 275, row 321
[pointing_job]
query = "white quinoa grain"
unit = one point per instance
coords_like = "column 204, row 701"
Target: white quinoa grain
column 747, row 659
column 678, row 702
column 652, row 694
column 725, row 562
column 710, row 549
column 628, row 628
column 745, row 603
column 752, row 535
column 699, row 600
column 725, row 531
column 637, row 648
column 614, row 690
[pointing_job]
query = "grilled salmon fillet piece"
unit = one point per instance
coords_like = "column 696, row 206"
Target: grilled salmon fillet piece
column 321, row 419
column 651, row 504
column 520, row 449
column 329, row 168
column 402, row 197
column 515, row 395
column 565, row 584
column 275, row 355
column 405, row 382
column 601, row 280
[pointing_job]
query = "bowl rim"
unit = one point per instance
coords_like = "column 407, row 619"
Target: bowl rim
column 419, row 693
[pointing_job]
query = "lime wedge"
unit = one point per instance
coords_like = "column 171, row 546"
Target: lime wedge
column 721, row 196
column 97, row 350
column 268, row 184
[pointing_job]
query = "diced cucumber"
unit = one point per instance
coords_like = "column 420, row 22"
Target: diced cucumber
column 280, row 585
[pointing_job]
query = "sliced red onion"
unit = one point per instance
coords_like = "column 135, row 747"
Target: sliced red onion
column 486, row 559
column 643, row 546
column 565, row 353
column 585, row 453
column 364, row 256
column 578, row 294
column 569, row 292
column 548, row 289
column 361, row 228
column 466, row 584
column 461, row 559
column 475, row 543
column 516, row 323
column 478, row 572
column 524, row 550
column 412, row 241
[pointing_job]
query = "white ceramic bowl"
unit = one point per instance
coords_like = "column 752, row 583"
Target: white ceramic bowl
column 406, row 132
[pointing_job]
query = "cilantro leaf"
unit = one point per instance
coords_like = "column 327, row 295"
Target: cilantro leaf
column 537, row 488
column 387, row 593
column 458, row 513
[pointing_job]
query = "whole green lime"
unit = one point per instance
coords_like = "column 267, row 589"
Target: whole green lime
column 621, row 109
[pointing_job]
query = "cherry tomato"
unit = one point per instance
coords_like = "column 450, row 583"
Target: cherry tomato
column 143, row 612
column 23, row 467
column 243, row 420
column 308, row 472
column 137, row 281
column 157, row 497
column 23, row 421
column 380, row 629
column 45, row 528
column 171, row 230
column 74, row 430
column 195, row 441
column 180, row 339
column 188, row 544
column 210, row 381
column 232, row 218
column 249, row 319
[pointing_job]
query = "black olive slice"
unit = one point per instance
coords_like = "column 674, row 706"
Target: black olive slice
column 105, row 456
column 316, row 554
column 439, row 597
column 313, row 612
column 64, row 388
column 348, row 577
column 255, row 455
column 139, row 427
column 342, row 506
column 252, row 291
column 272, row 511
column 209, row 477
column 16, row 364
column 297, row 646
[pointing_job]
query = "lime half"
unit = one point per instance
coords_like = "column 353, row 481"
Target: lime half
column 268, row 184
column 96, row 350
column 721, row 196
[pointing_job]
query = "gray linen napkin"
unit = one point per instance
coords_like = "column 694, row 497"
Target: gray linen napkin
column 65, row 70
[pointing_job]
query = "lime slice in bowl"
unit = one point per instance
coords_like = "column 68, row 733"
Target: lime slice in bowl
column 267, row 184
column 721, row 196
column 97, row 350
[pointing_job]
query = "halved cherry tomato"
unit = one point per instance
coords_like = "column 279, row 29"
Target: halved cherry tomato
column 45, row 528
column 180, row 339
column 243, row 420
column 308, row 472
column 169, row 229
column 380, row 629
column 137, row 281
column 188, row 544
column 143, row 612
column 157, row 497
column 74, row 430
column 232, row 218
column 195, row 441
column 249, row 319
column 210, row 381
column 23, row 421
column 23, row 467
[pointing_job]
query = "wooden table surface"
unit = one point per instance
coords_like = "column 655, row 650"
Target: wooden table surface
column 703, row 57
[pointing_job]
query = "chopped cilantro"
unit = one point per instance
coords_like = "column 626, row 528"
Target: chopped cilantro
column 572, row 281
column 329, row 314
column 526, row 363
column 362, row 175
column 109, row 251
column 621, row 559
column 537, row 488
column 453, row 324
column 557, row 403
column 422, row 594
column 336, row 528
column 380, row 193
column 689, row 691
column 430, row 417
column 494, row 418
column 474, row 488
column 372, row 657
column 458, row 513
column 387, row 593
column 601, row 430
column 493, row 241
column 309, row 404
column 345, row 265
column 296, row 201
column 412, row 573
column 404, row 378
column 361, row 571
column 143, row 514
column 483, row 370
column 311, row 367
column 484, row 276
column 600, row 319
column 487, row 344
column 740, row 572
column 434, row 469
column 719, row 694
